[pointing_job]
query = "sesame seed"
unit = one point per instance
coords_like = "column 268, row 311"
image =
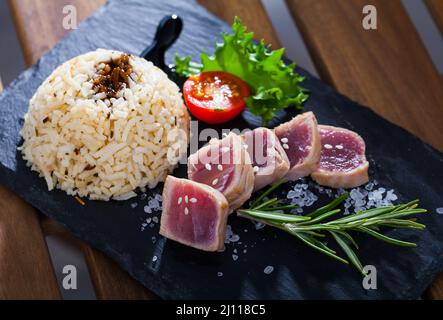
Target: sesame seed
column 328, row 146
column 220, row 167
column 284, row 140
column 339, row 146
column 285, row 146
column 193, row 200
column 179, row 200
column 186, row 211
column 154, row 258
column 214, row 182
column 245, row 146
column 208, row 167
column 186, row 199
column 256, row 169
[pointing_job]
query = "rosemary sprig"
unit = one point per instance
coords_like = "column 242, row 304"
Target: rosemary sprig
column 314, row 227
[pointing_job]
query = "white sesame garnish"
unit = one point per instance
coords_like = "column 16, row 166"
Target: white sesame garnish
column 186, row 199
column 180, row 200
column 339, row 146
column 214, row 182
column 256, row 168
column 285, row 146
column 193, row 200
column 154, row 258
column 186, row 211
column 208, row 167
column 284, row 140
column 245, row 146
column 328, row 146
column 220, row 167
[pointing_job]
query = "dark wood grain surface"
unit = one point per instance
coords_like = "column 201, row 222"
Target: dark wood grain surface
column 388, row 69
column 25, row 269
column 436, row 9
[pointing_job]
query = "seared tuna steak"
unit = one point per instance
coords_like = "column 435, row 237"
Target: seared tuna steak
column 301, row 141
column 269, row 160
column 194, row 214
column 225, row 166
column 342, row 162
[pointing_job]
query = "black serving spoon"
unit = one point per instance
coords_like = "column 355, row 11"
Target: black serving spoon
column 168, row 31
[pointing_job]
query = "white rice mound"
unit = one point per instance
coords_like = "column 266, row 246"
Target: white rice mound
column 91, row 146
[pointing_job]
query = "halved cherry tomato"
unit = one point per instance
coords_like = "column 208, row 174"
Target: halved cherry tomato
column 215, row 97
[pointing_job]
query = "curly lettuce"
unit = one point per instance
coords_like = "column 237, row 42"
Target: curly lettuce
column 274, row 84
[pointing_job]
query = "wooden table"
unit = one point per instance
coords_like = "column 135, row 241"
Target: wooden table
column 388, row 69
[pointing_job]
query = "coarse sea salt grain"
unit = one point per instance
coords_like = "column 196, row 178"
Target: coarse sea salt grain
column 268, row 270
column 219, row 274
column 259, row 225
column 439, row 210
column 234, row 257
column 230, row 236
column 154, row 258
column 134, row 205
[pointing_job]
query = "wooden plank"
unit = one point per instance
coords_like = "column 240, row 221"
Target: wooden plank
column 101, row 269
column 39, row 25
column 387, row 69
column 435, row 7
column 252, row 14
column 435, row 291
column 25, row 269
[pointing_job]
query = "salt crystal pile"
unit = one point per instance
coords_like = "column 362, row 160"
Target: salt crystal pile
column 300, row 195
column 369, row 197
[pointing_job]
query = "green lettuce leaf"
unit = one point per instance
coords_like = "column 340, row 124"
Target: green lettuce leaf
column 274, row 84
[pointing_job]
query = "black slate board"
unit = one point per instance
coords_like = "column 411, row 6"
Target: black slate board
column 398, row 160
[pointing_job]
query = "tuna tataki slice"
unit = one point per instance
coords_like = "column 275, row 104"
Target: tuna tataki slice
column 194, row 214
column 269, row 160
column 225, row 166
column 301, row 141
column 342, row 162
